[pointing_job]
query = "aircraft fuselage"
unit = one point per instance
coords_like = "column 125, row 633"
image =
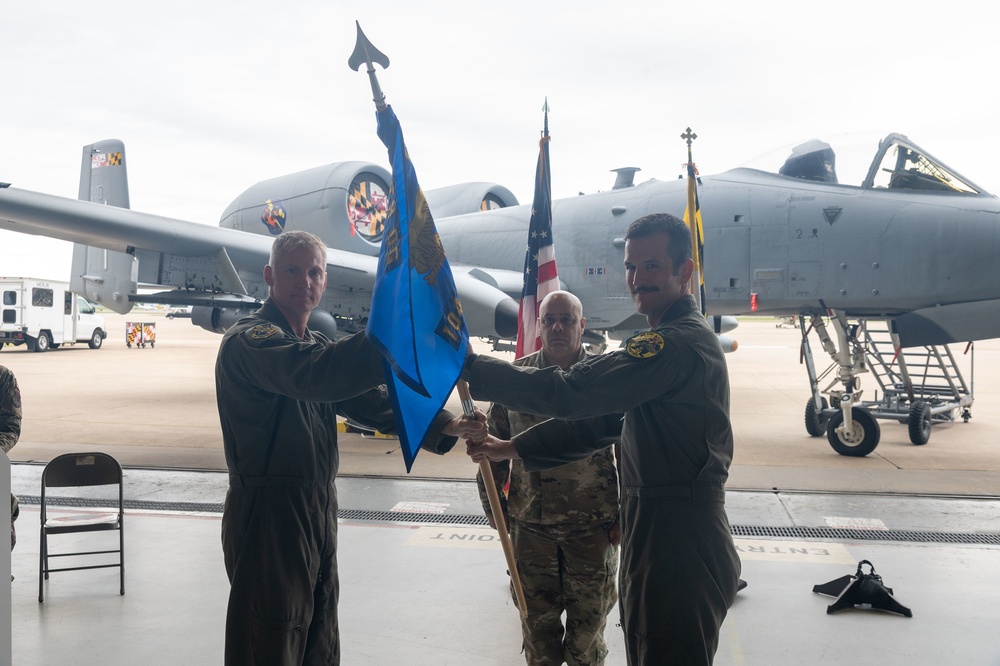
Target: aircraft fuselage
column 787, row 245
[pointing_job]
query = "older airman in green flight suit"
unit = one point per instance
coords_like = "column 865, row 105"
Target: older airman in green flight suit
column 280, row 387
column 679, row 568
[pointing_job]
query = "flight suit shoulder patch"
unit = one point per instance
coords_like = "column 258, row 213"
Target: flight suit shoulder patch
column 261, row 332
column 644, row 345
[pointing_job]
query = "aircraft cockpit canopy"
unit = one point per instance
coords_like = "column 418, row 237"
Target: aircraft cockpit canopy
column 898, row 165
column 812, row 160
column 901, row 165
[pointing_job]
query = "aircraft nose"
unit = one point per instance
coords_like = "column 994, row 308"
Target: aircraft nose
column 505, row 318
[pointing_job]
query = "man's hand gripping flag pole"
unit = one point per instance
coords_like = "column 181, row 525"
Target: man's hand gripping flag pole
column 469, row 409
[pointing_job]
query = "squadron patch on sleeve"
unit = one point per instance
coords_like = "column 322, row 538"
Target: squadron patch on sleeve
column 262, row 332
column 644, row 345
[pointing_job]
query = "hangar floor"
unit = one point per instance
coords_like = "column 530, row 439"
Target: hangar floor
column 423, row 582
column 423, row 578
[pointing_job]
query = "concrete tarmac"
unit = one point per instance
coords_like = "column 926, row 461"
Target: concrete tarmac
column 423, row 578
column 155, row 407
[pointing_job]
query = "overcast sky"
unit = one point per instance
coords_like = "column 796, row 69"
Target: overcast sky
column 212, row 97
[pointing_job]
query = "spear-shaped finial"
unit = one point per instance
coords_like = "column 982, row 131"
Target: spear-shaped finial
column 545, row 110
column 366, row 53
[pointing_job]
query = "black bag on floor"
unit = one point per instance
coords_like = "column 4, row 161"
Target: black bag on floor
column 862, row 590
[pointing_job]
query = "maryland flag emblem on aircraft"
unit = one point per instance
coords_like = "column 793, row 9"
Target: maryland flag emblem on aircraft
column 416, row 317
column 366, row 205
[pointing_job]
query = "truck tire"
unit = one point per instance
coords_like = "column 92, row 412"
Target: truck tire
column 97, row 339
column 44, row 342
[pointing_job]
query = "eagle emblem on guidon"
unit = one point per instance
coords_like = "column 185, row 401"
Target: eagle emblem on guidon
column 426, row 251
column 644, row 345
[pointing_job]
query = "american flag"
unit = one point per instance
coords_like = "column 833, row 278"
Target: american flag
column 540, row 276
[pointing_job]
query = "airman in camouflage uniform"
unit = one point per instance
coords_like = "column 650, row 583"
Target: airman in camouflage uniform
column 10, row 428
column 563, row 521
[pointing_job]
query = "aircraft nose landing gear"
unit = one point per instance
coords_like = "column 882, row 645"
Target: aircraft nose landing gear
column 850, row 428
column 857, row 437
column 872, row 346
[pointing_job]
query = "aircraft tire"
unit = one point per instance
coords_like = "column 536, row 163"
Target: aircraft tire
column 858, row 446
column 919, row 422
column 816, row 422
column 97, row 339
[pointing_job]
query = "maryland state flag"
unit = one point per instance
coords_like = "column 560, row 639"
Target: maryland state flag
column 416, row 318
column 697, row 235
column 540, row 275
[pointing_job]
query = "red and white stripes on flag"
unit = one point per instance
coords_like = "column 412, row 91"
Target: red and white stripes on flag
column 540, row 275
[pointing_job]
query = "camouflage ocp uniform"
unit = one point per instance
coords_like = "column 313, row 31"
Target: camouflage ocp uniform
column 559, row 521
column 10, row 428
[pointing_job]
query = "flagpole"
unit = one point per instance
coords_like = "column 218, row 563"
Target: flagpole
column 365, row 53
column 468, row 408
column 690, row 136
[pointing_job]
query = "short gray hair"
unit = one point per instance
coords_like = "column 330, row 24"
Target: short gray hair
column 294, row 240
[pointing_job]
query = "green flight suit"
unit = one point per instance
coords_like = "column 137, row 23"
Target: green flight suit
column 279, row 396
column 10, row 429
column 679, row 568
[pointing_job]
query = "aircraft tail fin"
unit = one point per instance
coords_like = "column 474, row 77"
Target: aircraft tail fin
column 103, row 177
column 104, row 276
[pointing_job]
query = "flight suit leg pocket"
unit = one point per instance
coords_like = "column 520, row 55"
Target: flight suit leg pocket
column 277, row 641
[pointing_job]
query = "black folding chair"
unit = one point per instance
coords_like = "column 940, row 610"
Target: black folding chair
column 72, row 470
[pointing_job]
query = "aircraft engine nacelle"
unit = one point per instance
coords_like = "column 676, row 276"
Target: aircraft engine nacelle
column 345, row 204
column 218, row 319
column 468, row 198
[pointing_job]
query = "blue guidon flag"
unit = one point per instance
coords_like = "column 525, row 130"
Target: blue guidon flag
column 416, row 318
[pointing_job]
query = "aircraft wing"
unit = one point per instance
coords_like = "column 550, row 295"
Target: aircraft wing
column 124, row 230
column 208, row 264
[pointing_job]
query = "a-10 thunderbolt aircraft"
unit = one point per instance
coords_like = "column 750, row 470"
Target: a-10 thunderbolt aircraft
column 913, row 243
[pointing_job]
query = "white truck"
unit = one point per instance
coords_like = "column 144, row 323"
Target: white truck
column 44, row 314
